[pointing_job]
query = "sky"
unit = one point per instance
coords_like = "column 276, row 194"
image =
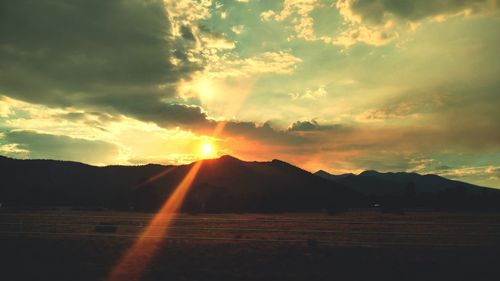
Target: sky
column 340, row 85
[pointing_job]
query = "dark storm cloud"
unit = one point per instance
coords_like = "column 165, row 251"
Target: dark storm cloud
column 99, row 116
column 304, row 126
column 374, row 11
column 264, row 133
column 107, row 58
column 97, row 120
column 58, row 147
column 112, row 56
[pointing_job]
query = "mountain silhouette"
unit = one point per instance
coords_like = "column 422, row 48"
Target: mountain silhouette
column 403, row 189
column 373, row 182
column 228, row 184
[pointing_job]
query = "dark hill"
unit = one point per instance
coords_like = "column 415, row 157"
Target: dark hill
column 226, row 184
column 373, row 182
column 415, row 190
column 231, row 184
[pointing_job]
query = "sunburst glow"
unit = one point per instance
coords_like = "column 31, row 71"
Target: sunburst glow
column 207, row 149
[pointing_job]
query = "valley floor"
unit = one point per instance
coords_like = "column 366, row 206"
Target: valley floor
column 366, row 245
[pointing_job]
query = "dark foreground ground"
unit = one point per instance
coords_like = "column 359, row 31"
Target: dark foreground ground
column 59, row 245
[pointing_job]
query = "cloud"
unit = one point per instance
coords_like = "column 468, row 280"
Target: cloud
column 263, row 133
column 376, row 22
column 212, row 40
column 13, row 150
column 115, row 56
column 442, row 167
column 304, row 126
column 442, row 101
column 380, row 12
column 313, row 125
column 282, row 62
column 168, row 114
column 187, row 12
column 476, row 171
column 411, row 103
column 419, row 165
column 237, row 29
column 5, row 109
column 310, row 94
column 372, row 22
column 30, row 144
column 122, row 57
column 302, row 20
column 300, row 10
column 303, row 24
column 267, row 15
column 52, row 120
column 128, row 133
column 362, row 34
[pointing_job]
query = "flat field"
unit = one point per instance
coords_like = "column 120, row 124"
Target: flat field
column 62, row 244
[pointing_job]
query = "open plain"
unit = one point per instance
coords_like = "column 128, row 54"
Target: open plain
column 63, row 244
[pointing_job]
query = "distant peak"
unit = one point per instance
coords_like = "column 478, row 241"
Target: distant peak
column 227, row 156
column 322, row 172
column 281, row 162
column 369, row 173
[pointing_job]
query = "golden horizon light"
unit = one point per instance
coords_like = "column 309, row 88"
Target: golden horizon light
column 207, row 149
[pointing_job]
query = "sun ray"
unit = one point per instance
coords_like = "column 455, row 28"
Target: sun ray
column 133, row 264
column 155, row 177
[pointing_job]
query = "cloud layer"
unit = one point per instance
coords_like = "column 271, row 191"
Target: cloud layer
column 29, row 144
column 379, row 12
column 112, row 55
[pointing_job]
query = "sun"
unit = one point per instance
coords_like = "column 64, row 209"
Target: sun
column 207, row 149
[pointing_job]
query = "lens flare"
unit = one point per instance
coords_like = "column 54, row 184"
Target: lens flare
column 135, row 261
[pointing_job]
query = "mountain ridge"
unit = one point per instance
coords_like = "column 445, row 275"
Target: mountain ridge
column 228, row 184
column 224, row 184
column 397, row 177
column 320, row 172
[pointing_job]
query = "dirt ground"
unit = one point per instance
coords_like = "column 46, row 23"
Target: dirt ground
column 66, row 245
